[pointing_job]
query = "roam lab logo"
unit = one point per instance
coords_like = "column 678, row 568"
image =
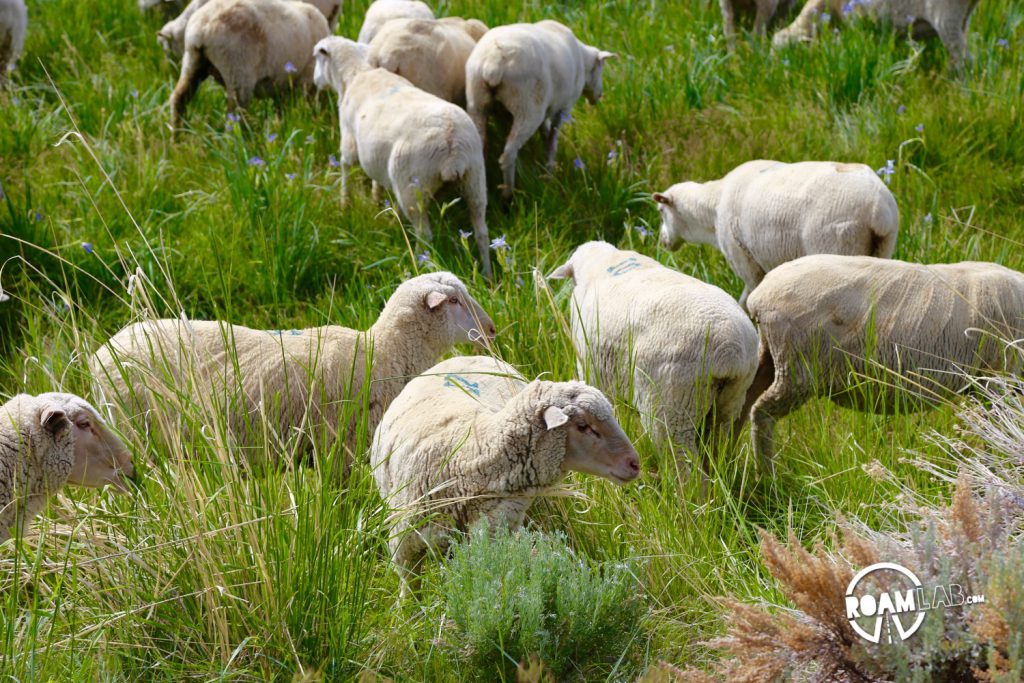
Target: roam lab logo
column 891, row 596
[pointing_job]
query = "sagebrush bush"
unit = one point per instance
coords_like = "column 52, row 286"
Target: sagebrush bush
column 512, row 595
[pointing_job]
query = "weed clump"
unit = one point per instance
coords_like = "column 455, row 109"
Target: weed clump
column 513, row 595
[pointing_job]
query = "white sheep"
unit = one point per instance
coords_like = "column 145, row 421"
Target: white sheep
column 383, row 11
column 830, row 324
column 537, row 72
column 50, row 440
column 430, row 53
column 407, row 140
column 948, row 19
column 765, row 213
column 764, row 12
column 13, row 23
column 471, row 439
column 172, row 36
column 294, row 383
column 682, row 350
column 254, row 47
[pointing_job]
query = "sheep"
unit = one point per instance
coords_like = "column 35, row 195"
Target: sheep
column 383, row 11
column 830, row 323
column 164, row 5
column 683, row 349
column 294, row 383
column 537, row 72
column 254, row 47
column 764, row 12
column 471, row 439
column 172, row 36
column 430, row 53
column 764, row 213
column 13, row 23
column 948, row 19
column 405, row 139
column 50, row 440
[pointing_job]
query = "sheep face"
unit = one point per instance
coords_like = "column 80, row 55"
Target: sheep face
column 337, row 61
column 171, row 46
column 100, row 458
column 463, row 319
column 679, row 222
column 594, row 443
column 593, row 90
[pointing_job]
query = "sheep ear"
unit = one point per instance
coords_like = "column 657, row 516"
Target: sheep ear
column 435, row 299
column 554, row 417
column 53, row 419
column 662, row 198
column 562, row 272
column 603, row 56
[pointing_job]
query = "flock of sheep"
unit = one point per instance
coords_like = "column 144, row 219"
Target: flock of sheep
column 823, row 304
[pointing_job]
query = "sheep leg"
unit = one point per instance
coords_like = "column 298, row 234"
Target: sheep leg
column 194, row 70
column 552, row 135
column 955, row 42
column 412, row 200
column 478, row 101
column 783, row 397
column 474, row 190
column 349, row 155
column 522, row 128
column 765, row 12
column 375, row 191
column 728, row 22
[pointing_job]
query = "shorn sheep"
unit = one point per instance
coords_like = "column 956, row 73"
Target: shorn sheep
column 13, row 24
column 537, row 72
column 254, row 47
column 948, row 19
column 430, row 53
column 764, row 11
column 765, row 213
column 472, row 439
column 875, row 334
column 50, row 440
column 294, row 383
column 382, row 11
column 172, row 36
column 405, row 139
column 681, row 350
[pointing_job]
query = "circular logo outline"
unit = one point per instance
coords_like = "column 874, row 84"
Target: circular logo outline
column 877, row 635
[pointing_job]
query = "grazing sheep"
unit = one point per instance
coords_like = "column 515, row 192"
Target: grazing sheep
column 764, row 11
column 383, row 11
column 948, row 19
column 682, row 348
column 765, row 213
column 430, row 53
column 47, row 441
column 537, row 72
column 407, row 140
column 471, row 439
column 13, row 23
column 254, row 47
column 830, row 323
column 172, row 36
column 295, row 382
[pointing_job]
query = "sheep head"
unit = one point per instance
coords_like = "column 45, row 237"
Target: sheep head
column 682, row 217
column 593, row 89
column 439, row 308
column 338, row 60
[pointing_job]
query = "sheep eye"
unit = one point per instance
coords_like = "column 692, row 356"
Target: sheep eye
column 453, row 300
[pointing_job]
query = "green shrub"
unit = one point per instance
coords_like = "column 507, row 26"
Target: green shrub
column 516, row 594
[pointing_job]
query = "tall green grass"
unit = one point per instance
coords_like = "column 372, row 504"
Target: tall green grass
column 209, row 571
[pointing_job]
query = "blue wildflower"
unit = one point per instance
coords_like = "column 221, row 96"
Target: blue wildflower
column 423, row 258
column 233, row 117
column 927, row 218
column 1003, row 42
column 271, row 137
column 289, row 68
column 256, row 161
column 900, row 109
column 38, row 216
column 887, row 171
column 387, row 203
column 87, row 247
column 644, row 232
column 332, row 161
column 499, row 243
column 919, row 128
column 612, row 155
column 134, row 94
column 310, row 139
column 825, row 17
column 465, row 234
column 578, row 163
column 291, row 176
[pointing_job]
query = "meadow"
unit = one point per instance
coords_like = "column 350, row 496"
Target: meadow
column 207, row 573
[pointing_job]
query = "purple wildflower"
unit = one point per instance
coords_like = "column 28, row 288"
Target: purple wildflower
column 612, row 155
column 900, row 109
column 38, row 216
column 332, row 161
column 87, row 247
column 919, row 128
column 134, row 94
column 423, row 258
column 271, row 137
column 644, row 232
column 578, row 163
column 1003, row 42
column 825, row 17
column 927, row 218
column 289, row 68
column 233, row 117
column 291, row 176
column 465, row 234
column 310, row 139
column 499, row 243
column 387, row 203
column 887, row 171
column 256, row 161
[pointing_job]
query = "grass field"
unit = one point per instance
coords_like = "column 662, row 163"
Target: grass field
column 206, row 573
